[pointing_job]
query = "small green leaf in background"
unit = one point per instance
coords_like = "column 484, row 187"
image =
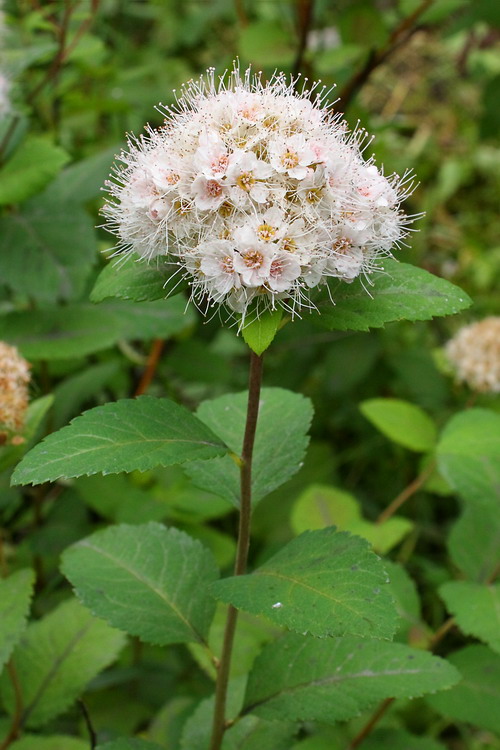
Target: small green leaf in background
column 321, row 505
column 476, row 609
column 259, row 334
column 268, row 42
column 474, row 541
column 323, row 582
column 51, row 742
column 129, row 744
column 37, row 409
column 412, row 629
column 476, row 697
column 125, row 435
column 335, row 679
column 198, row 728
column 147, row 580
column 116, row 497
column 15, row 598
column 56, row 659
column 278, row 451
column 403, row 292
column 402, row 422
column 468, row 455
column 397, row 739
column 33, row 165
column 135, row 279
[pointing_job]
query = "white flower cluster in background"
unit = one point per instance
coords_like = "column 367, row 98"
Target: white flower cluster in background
column 475, row 354
column 14, row 379
column 256, row 193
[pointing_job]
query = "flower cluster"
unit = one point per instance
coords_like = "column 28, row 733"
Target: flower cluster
column 14, row 379
column 475, row 354
column 255, row 193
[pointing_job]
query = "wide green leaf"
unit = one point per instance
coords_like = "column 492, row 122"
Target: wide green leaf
column 127, row 743
column 475, row 699
column 147, row 580
column 55, row 660
column 321, row 505
column 259, row 334
column 474, row 541
column 476, row 609
column 122, row 436
column 84, row 329
column 15, row 598
column 401, row 292
column 402, row 422
column 323, row 582
column 468, row 455
column 47, row 249
column 335, row 679
column 387, row 738
column 33, row 165
column 51, row 742
column 278, row 452
column 135, row 279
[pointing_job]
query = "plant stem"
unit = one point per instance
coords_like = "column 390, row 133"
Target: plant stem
column 152, row 364
column 408, row 492
column 18, row 707
column 255, row 380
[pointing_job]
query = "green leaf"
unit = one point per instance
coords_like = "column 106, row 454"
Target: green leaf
column 468, row 455
column 52, row 742
column 476, row 609
column 147, row 580
column 275, row 46
column 15, row 599
column 397, row 739
column 412, row 629
column 320, row 505
column 77, row 390
column 37, row 409
column 334, row 679
column 82, row 180
column 477, row 696
column 122, row 436
column 252, row 733
column 277, row 452
column 323, row 582
column 198, row 728
column 47, row 249
column 116, row 497
column 474, row 541
column 130, row 277
column 128, row 744
column 259, row 334
column 403, row 292
column 33, row 165
column 55, row 660
column 78, row 330
column 402, row 422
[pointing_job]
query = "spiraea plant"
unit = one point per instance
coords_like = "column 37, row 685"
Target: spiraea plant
column 264, row 205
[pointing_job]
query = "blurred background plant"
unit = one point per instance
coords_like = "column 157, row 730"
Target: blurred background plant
column 424, row 77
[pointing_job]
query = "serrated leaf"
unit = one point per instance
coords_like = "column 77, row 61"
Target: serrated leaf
column 476, row 609
column 122, row 436
column 402, row 292
column 55, row 660
column 335, row 679
column 77, row 330
column 259, row 334
column 47, row 249
column 135, row 279
column 411, row 629
column 474, row 541
column 468, row 455
column 52, row 742
column 15, row 599
column 402, row 422
column 128, row 744
column 323, row 582
column 277, row 452
column 33, row 165
column 147, row 580
column 475, row 699
column 321, row 505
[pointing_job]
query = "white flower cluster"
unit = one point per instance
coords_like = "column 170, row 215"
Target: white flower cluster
column 256, row 193
column 14, row 379
column 475, row 353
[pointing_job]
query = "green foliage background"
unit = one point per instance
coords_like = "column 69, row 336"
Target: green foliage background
column 81, row 75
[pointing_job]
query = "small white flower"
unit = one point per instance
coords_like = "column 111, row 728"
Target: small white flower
column 475, row 354
column 253, row 263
